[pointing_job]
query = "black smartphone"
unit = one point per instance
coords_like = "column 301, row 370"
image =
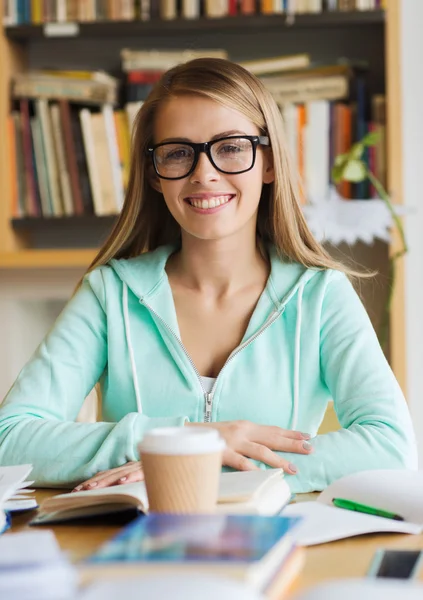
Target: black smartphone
column 396, row 564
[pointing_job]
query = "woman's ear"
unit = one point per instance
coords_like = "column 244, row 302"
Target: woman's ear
column 154, row 180
column 268, row 169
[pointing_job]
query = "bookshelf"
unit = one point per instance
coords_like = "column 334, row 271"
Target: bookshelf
column 367, row 35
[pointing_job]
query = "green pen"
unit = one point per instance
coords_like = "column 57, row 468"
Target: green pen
column 370, row 510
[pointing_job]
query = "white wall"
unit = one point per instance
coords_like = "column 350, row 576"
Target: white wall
column 412, row 122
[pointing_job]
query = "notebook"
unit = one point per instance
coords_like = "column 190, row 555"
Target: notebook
column 248, row 548
column 397, row 491
column 249, row 492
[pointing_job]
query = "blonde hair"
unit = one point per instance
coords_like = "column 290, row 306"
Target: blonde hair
column 145, row 222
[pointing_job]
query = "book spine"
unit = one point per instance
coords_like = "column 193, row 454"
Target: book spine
column 70, row 154
column 59, row 146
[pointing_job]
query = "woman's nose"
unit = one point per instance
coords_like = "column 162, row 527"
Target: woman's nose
column 204, row 170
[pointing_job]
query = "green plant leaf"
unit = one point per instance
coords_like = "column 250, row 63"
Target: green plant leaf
column 356, row 151
column 337, row 173
column 340, row 160
column 354, row 171
column 370, row 139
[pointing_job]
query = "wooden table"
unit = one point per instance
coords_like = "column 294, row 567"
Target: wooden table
column 344, row 558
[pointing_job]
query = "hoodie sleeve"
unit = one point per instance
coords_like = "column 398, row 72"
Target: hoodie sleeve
column 37, row 417
column 377, row 432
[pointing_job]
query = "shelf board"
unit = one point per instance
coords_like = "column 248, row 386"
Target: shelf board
column 117, row 29
column 34, row 223
column 47, row 259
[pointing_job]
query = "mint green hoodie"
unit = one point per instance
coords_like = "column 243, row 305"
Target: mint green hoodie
column 309, row 340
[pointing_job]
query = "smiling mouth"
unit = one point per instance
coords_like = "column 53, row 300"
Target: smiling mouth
column 210, row 202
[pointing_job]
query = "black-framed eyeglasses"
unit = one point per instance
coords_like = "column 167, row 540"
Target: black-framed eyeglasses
column 231, row 155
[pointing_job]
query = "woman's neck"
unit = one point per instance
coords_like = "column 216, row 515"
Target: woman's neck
column 218, row 267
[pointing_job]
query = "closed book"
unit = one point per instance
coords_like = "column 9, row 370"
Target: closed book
column 190, row 9
column 248, row 492
column 247, row 7
column 248, row 548
column 21, row 179
column 93, row 168
column 81, row 161
column 104, row 163
column 43, row 113
column 59, row 145
column 70, row 154
column 41, row 168
column 168, row 9
column 13, row 166
column 276, row 64
column 33, row 203
column 161, row 60
column 308, row 89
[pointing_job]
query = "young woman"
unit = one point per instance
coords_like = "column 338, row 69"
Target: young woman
column 235, row 317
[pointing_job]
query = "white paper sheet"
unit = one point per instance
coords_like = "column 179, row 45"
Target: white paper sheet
column 322, row 523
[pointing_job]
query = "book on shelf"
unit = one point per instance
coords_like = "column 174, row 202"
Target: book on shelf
column 162, row 60
column 248, row 548
column 250, row 492
column 19, row 12
column 276, row 64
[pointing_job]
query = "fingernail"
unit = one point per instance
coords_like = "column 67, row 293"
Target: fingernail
column 305, row 436
column 292, row 468
column 92, row 484
column 78, row 488
column 122, row 479
column 307, row 446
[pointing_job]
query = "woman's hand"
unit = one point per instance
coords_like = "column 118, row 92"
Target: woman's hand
column 245, row 440
column 127, row 473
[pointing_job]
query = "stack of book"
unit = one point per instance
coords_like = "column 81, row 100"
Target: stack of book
column 59, row 147
column 35, row 12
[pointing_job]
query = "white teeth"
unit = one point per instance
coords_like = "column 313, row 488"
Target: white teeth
column 212, row 203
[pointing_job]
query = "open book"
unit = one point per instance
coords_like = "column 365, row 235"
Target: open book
column 13, row 495
column 396, row 491
column 248, row 492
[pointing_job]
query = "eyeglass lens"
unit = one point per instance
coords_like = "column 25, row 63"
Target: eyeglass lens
column 232, row 155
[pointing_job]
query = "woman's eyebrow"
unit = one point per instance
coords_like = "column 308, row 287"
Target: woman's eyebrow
column 215, row 137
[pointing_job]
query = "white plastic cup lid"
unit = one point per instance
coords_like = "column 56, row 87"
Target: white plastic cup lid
column 181, row 440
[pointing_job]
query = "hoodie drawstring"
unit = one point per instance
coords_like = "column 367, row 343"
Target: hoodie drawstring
column 297, row 355
column 297, row 352
column 130, row 347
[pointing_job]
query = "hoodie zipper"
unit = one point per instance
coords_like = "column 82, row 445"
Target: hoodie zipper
column 208, row 396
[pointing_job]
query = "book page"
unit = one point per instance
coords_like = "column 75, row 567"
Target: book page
column 397, row 491
column 322, row 523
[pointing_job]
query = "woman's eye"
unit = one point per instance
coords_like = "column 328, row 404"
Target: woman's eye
column 181, row 153
column 230, row 149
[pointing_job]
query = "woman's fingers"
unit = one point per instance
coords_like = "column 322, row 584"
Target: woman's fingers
column 282, row 440
column 131, row 477
column 268, row 457
column 238, row 461
column 110, row 477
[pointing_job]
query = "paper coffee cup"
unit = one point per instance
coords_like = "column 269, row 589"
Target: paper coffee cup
column 182, row 468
